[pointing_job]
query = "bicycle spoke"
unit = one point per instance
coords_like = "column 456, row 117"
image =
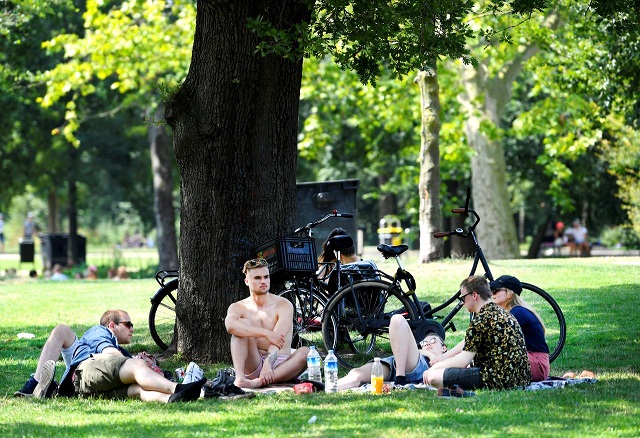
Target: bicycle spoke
column 356, row 321
column 551, row 315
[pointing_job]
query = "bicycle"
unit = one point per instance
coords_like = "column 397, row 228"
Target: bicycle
column 358, row 315
column 162, row 315
column 307, row 288
column 303, row 287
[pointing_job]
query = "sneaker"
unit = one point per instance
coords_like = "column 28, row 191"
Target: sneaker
column 27, row 389
column 193, row 373
column 187, row 392
column 46, row 379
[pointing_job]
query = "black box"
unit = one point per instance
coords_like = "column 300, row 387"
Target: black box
column 54, row 249
column 27, row 250
column 289, row 255
column 315, row 199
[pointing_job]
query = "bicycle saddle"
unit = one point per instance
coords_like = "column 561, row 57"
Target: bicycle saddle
column 341, row 242
column 391, row 250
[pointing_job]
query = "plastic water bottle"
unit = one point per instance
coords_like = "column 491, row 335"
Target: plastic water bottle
column 331, row 372
column 314, row 365
column 376, row 377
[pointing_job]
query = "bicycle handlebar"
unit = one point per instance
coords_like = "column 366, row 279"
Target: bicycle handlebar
column 466, row 211
column 310, row 226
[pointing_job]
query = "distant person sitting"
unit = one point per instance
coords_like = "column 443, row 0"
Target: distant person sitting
column 558, row 237
column 58, row 275
column 1, row 233
column 92, row 273
column 407, row 364
column 578, row 239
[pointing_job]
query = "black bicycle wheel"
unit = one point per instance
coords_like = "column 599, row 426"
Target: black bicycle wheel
column 355, row 324
column 162, row 316
column 552, row 317
column 307, row 316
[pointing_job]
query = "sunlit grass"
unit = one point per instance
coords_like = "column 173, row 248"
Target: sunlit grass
column 599, row 297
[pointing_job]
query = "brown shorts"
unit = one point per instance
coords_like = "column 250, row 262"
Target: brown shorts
column 99, row 376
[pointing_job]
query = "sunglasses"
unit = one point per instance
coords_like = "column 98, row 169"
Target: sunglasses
column 462, row 297
column 128, row 324
column 495, row 291
column 256, row 262
column 429, row 341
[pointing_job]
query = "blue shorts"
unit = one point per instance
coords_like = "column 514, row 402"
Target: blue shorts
column 413, row 376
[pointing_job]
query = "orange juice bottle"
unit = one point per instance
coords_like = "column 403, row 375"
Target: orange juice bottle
column 376, row 377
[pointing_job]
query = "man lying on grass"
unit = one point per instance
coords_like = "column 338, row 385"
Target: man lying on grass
column 100, row 367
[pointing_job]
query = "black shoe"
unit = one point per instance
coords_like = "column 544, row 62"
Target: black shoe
column 187, row 392
column 455, row 391
column 27, row 389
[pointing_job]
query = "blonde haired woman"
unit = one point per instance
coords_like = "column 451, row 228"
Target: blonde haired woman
column 506, row 293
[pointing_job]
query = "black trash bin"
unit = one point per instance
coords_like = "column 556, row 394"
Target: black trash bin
column 316, row 199
column 55, row 249
column 27, row 250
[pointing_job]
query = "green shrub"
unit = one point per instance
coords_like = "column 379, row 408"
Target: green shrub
column 621, row 236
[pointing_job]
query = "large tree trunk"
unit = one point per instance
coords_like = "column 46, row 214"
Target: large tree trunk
column 235, row 128
column 431, row 249
column 165, row 215
column 484, row 101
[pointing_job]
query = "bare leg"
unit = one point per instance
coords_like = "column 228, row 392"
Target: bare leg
column 61, row 337
column 292, row 367
column 135, row 391
column 137, row 371
column 246, row 359
column 361, row 375
column 404, row 348
column 434, row 377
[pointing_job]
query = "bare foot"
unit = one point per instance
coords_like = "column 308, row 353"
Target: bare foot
column 241, row 382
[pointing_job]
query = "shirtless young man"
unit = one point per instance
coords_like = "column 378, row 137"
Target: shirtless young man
column 261, row 327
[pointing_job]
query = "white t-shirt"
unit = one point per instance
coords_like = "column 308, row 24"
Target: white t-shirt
column 578, row 233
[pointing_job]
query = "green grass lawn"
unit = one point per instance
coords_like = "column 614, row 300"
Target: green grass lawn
column 599, row 296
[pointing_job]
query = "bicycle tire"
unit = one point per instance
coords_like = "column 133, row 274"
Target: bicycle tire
column 552, row 317
column 354, row 334
column 308, row 308
column 162, row 315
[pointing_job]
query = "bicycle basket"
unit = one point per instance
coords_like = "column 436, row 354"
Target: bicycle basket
column 289, row 255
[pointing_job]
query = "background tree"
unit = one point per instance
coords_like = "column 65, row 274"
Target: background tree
column 120, row 48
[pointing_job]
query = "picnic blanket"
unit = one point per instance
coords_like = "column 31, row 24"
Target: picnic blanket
column 559, row 382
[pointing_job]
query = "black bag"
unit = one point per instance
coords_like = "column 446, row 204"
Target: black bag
column 222, row 385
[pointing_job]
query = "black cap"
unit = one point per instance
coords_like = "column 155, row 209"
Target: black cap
column 511, row 283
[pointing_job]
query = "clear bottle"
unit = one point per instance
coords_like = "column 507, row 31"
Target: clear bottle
column 331, row 372
column 314, row 365
column 376, row 377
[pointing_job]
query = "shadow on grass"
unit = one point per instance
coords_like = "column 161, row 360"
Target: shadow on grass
column 607, row 407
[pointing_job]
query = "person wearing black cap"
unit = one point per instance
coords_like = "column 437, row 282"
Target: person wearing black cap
column 506, row 292
column 493, row 345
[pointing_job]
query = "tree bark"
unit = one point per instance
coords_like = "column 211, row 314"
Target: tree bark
column 235, row 140
column 430, row 216
column 484, row 101
column 165, row 215
column 72, row 240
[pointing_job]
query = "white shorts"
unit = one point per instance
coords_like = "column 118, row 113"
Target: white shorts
column 67, row 353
